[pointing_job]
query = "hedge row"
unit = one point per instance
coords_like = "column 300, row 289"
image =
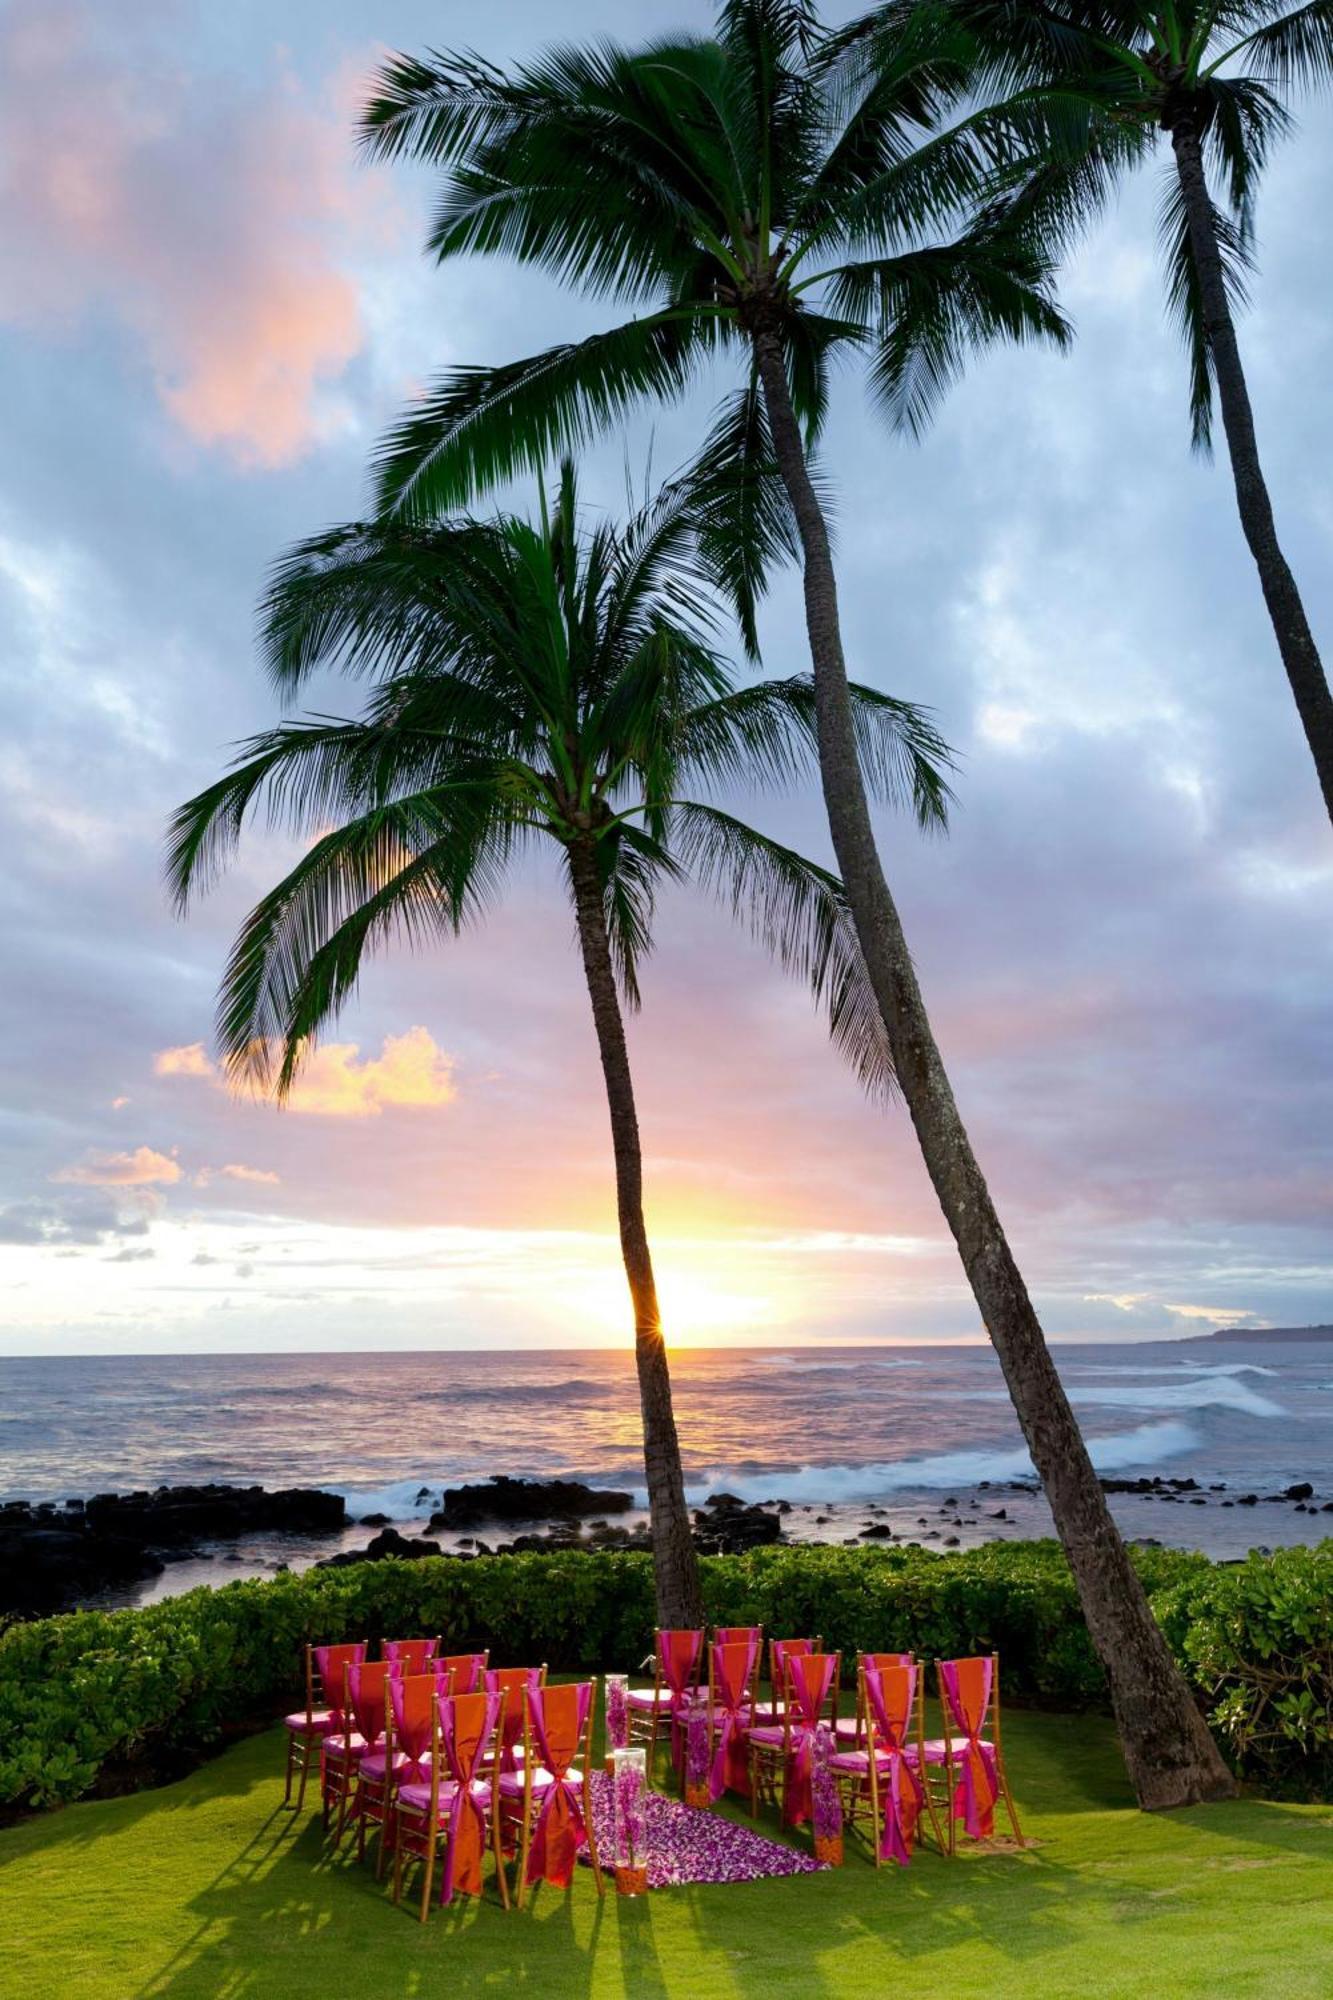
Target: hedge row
column 82, row 1697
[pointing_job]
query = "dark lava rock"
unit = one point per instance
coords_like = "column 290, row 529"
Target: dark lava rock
column 1303, row 1491
column 176, row 1514
column 725, row 1526
column 389, row 1543
column 52, row 1558
column 951, row 1541
column 1248, row 1500
column 373, row 1521
column 505, row 1499
column 1199, row 1500
column 877, row 1531
column 999, row 1514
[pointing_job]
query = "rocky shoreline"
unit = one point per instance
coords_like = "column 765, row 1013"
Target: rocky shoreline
column 55, row 1556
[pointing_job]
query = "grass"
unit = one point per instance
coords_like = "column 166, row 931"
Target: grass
column 206, row 1891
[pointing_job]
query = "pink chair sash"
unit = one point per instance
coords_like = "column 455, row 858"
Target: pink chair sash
column 558, row 1718
column 733, row 1668
column 414, row 1656
column 365, row 1700
column 968, row 1687
column 511, row 1719
column 332, row 1663
column 890, row 1695
column 808, row 1678
column 678, row 1665
column 467, row 1725
column 412, row 1715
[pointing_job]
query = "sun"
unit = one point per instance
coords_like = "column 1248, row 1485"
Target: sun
column 697, row 1308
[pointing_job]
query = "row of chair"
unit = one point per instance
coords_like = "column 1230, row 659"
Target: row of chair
column 882, row 1759
column 444, row 1757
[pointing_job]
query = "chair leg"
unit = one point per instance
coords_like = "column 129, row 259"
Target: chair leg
column 305, row 1773
column 291, row 1751
column 525, row 1838
column 431, row 1838
column 397, row 1870
column 1008, row 1798
column 592, row 1843
column 500, row 1868
column 386, row 1840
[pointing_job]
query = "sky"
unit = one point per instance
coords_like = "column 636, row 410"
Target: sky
column 210, row 308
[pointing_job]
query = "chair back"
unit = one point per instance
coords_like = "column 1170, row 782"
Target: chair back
column 891, row 1704
column 781, row 1650
column 464, row 1727
column 329, row 1676
column 464, row 1669
column 679, row 1660
column 732, row 1635
column 512, row 1684
column 559, row 1722
column 412, row 1712
column 413, row 1656
column 969, row 1689
column 366, row 1709
column 881, row 1660
column 811, row 1687
column 732, row 1667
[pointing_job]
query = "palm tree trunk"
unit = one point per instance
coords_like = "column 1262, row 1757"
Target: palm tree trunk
column 1300, row 655
column 1171, row 1756
column 675, row 1561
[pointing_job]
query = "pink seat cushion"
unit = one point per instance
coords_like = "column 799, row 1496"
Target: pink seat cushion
column 416, row 1798
column 649, row 1698
column 773, row 1737
column 341, row 1750
column 845, row 1729
column 318, row 1723
column 769, row 1711
column 511, row 1782
column 375, row 1763
column 855, row 1760
column 937, row 1750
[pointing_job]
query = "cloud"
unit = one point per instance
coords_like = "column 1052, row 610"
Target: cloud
column 70, row 1220
column 119, row 1103
column 188, row 1061
column 260, row 1175
column 137, row 1169
column 210, row 226
column 411, row 1069
column 131, row 1255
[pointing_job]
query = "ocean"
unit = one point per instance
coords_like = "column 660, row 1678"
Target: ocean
column 924, row 1434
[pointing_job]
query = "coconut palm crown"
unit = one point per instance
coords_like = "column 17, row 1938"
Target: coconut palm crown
column 1211, row 77
column 560, row 683
column 756, row 185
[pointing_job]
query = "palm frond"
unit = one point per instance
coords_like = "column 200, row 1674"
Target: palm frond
column 798, row 912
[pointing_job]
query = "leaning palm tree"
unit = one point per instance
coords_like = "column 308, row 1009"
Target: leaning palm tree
column 532, row 683
column 1210, row 76
column 770, row 201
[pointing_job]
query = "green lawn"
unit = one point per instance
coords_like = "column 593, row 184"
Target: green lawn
column 206, row 1890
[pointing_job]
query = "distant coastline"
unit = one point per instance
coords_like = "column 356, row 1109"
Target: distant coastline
column 1262, row 1335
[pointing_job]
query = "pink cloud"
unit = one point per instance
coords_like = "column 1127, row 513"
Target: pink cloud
column 409, row 1070
column 208, row 223
column 190, row 1060
column 137, row 1169
column 259, row 1175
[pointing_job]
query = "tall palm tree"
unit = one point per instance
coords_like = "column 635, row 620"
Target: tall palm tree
column 768, row 200
column 532, row 682
column 1210, row 76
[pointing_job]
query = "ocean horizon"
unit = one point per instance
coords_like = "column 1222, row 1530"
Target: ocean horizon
column 924, row 1434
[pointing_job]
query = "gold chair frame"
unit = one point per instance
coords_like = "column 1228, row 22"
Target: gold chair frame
column 435, row 1838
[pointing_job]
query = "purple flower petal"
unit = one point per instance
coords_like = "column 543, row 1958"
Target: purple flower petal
column 687, row 1845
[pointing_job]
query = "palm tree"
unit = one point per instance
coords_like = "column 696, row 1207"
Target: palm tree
column 532, row 682
column 1208, row 74
column 769, row 198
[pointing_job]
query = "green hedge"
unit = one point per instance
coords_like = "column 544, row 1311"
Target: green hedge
column 88, row 1698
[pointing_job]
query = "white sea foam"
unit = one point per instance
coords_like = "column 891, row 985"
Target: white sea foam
column 1217, row 1392
column 1175, row 1368
column 1144, row 1447
column 398, row 1499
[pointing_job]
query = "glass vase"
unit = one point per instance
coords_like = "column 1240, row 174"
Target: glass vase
column 629, row 1821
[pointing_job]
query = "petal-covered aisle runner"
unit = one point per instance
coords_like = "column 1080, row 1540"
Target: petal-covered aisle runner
column 687, row 1845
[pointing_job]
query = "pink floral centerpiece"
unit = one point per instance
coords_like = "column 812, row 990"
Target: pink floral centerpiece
column 698, row 1791
column 616, row 1688
column 629, row 1823
column 825, row 1803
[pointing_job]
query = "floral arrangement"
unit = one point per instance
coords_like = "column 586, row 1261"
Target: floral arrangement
column 825, row 1802
column 698, row 1791
column 629, row 1783
column 617, row 1714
